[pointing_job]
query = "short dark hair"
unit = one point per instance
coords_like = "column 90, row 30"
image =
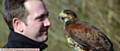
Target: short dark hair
column 14, row 8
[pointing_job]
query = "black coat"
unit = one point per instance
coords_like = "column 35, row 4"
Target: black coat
column 16, row 40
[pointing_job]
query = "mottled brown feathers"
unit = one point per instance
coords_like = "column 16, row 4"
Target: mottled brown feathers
column 85, row 36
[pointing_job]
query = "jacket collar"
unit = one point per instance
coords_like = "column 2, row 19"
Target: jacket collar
column 21, row 39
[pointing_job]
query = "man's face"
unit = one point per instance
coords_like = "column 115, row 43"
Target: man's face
column 37, row 21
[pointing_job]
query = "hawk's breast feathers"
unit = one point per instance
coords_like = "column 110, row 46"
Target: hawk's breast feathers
column 83, row 35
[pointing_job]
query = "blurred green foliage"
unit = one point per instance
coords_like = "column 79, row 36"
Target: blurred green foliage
column 104, row 14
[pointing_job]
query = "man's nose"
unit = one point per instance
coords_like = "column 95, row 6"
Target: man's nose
column 47, row 22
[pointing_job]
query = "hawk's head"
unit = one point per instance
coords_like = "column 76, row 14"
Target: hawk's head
column 67, row 15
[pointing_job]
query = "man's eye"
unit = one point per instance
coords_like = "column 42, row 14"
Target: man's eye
column 41, row 18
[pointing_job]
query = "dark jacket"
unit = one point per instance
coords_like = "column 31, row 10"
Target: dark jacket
column 16, row 40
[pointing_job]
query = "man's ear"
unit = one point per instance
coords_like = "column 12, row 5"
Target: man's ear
column 17, row 24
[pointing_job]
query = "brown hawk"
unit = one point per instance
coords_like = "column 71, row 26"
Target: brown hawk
column 82, row 36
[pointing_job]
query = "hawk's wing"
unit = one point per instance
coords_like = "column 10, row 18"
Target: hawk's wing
column 88, row 36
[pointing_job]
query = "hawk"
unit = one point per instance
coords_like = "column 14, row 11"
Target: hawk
column 83, row 36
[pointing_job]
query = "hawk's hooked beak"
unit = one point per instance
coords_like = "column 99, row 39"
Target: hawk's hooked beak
column 60, row 16
column 63, row 16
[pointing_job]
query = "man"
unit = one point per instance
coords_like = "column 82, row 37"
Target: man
column 28, row 22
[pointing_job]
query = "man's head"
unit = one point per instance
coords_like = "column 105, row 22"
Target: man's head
column 28, row 17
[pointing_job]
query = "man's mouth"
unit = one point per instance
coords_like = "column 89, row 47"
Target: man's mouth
column 43, row 33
